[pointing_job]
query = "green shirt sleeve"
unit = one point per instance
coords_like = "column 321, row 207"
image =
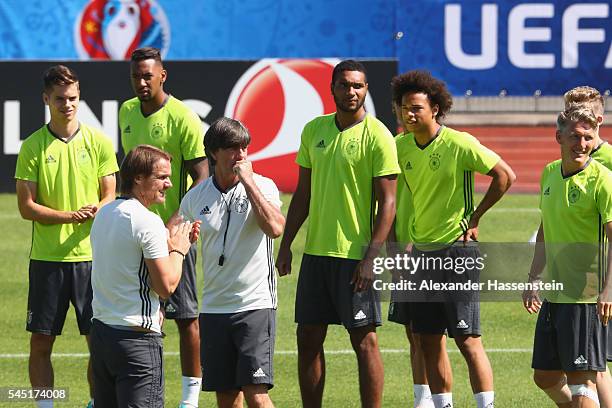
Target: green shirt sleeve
column 192, row 141
column 385, row 153
column 477, row 157
column 27, row 163
column 604, row 196
column 107, row 158
column 303, row 155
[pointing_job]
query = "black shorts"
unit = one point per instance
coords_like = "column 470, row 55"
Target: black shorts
column 236, row 349
column 569, row 337
column 400, row 312
column 127, row 367
column 459, row 313
column 183, row 304
column 52, row 287
column 325, row 294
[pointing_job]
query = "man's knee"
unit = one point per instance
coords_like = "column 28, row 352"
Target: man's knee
column 310, row 337
column 257, row 396
column 546, row 379
column 554, row 384
column 191, row 326
column 41, row 344
column 229, row 399
column 432, row 344
column 470, row 346
column 364, row 339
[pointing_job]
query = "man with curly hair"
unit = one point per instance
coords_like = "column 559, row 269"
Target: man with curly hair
column 438, row 165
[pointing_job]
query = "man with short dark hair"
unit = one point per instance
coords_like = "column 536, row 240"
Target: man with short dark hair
column 240, row 215
column 348, row 167
column 65, row 173
column 154, row 117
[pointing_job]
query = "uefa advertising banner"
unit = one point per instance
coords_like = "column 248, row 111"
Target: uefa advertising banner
column 518, row 47
column 274, row 98
column 485, row 46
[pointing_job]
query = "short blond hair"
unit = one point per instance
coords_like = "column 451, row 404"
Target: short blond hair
column 577, row 113
column 585, row 95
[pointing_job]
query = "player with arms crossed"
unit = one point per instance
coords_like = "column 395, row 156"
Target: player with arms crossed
column 65, row 173
column 156, row 118
column 348, row 163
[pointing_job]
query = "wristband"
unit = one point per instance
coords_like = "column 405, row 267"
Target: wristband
column 177, row 251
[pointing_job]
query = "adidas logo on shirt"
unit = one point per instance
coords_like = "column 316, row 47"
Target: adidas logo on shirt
column 170, row 308
column 50, row 159
column 321, row 144
column 259, row 373
column 408, row 166
column 547, row 191
column 205, row 211
column 127, row 129
column 580, row 360
column 360, row 315
column 462, row 324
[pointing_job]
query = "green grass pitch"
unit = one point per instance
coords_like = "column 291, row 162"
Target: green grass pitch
column 507, row 328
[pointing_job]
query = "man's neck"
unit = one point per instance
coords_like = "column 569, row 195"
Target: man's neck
column 225, row 181
column 347, row 119
column 155, row 104
column 569, row 167
column 427, row 135
column 64, row 130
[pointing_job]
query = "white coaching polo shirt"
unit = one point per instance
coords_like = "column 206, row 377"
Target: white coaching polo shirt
column 230, row 236
column 123, row 234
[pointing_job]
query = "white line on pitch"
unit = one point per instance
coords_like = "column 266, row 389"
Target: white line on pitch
column 279, row 352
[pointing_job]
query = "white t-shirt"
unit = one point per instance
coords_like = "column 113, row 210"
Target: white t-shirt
column 123, row 234
column 246, row 280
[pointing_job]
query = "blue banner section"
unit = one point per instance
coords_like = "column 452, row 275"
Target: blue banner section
column 482, row 46
column 518, row 47
column 187, row 29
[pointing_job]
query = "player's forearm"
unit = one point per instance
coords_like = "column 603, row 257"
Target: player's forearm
column 382, row 226
column 296, row 215
column 539, row 257
column 45, row 215
column 269, row 218
column 165, row 273
column 500, row 183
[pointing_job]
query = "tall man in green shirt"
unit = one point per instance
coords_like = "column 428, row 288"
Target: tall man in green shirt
column 65, row 173
column 348, row 164
column 576, row 206
column 156, row 118
column 437, row 165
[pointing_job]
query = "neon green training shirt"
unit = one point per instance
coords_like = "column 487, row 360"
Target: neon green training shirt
column 441, row 179
column 67, row 177
column 343, row 164
column 174, row 128
column 574, row 210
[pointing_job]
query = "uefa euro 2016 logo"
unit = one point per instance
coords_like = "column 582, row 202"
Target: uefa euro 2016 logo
column 112, row 29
